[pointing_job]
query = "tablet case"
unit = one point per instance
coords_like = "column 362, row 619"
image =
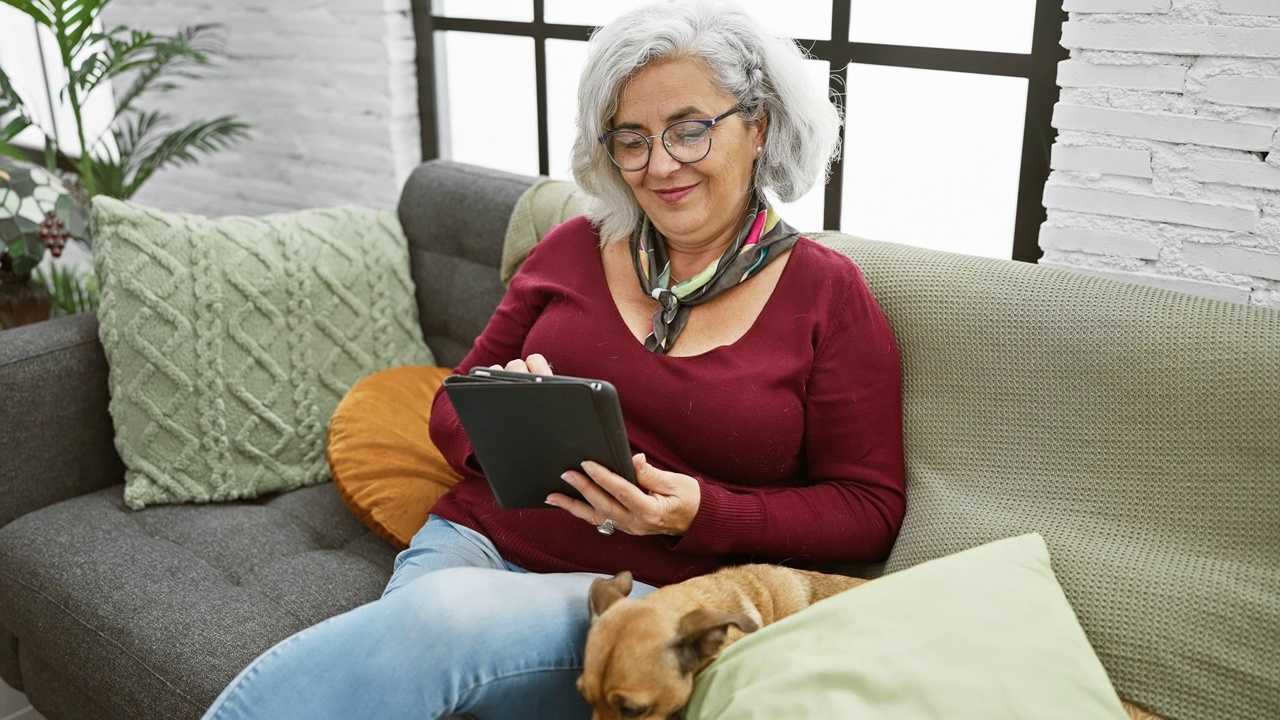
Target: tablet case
column 528, row 429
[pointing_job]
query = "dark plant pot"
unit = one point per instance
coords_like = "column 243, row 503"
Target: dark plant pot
column 23, row 300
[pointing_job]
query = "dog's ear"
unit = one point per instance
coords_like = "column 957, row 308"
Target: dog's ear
column 702, row 634
column 604, row 593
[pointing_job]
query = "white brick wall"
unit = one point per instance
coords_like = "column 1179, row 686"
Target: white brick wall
column 1166, row 170
column 329, row 86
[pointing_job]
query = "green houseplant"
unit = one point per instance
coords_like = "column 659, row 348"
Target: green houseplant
column 137, row 142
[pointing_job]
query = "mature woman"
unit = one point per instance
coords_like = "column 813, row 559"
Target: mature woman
column 758, row 377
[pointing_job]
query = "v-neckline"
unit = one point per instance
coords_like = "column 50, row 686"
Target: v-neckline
column 638, row 342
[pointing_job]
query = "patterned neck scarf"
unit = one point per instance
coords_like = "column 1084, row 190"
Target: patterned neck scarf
column 764, row 236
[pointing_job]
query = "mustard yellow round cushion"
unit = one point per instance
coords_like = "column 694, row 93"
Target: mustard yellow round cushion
column 380, row 454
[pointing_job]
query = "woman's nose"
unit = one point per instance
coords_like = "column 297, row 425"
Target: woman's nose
column 661, row 162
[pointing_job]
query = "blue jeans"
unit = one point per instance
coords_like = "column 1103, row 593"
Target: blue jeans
column 458, row 631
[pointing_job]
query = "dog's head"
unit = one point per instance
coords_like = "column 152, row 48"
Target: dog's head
column 641, row 656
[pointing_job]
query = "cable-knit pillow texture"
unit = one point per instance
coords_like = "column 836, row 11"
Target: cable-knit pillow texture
column 380, row 454
column 230, row 341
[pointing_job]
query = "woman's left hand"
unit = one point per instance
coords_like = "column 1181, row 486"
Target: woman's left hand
column 665, row 503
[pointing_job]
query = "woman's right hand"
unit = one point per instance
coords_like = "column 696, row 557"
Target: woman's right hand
column 535, row 364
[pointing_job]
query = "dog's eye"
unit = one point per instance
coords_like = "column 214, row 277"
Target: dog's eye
column 627, row 711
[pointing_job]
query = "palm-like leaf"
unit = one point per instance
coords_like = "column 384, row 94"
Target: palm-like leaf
column 133, row 137
column 132, row 133
column 118, row 55
column 13, row 117
column 154, row 62
column 72, row 24
column 70, row 20
column 10, row 101
column 11, row 105
column 181, row 147
column 172, row 56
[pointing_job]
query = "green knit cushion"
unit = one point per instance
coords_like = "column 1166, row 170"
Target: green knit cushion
column 1136, row 429
column 985, row 633
column 230, row 341
column 544, row 205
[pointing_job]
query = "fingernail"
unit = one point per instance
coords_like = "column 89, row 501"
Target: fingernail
column 548, row 501
column 567, row 477
column 644, row 459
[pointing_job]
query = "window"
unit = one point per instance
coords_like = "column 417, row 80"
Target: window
column 29, row 56
column 947, row 105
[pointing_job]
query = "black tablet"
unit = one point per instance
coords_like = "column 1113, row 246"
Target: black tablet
column 528, row 429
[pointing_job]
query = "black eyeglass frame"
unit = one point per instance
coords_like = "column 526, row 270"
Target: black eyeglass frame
column 665, row 145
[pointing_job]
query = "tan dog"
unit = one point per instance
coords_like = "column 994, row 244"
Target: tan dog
column 641, row 655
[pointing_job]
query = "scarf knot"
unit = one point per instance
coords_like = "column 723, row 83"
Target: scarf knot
column 762, row 239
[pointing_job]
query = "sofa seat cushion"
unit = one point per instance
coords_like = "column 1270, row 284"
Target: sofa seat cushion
column 152, row 612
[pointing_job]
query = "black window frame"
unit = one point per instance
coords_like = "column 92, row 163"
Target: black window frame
column 1039, row 68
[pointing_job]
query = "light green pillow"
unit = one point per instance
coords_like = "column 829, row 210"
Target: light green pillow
column 230, row 341
column 986, row 633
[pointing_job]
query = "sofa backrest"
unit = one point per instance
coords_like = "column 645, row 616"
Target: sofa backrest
column 56, row 437
column 1136, row 429
column 455, row 217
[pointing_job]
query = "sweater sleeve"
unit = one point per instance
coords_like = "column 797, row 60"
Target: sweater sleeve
column 501, row 341
column 851, row 502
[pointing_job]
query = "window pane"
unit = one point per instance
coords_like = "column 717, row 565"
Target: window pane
column 518, row 10
column 921, row 170
column 96, row 111
column 480, row 124
column 565, row 59
column 990, row 25
column 802, row 18
column 809, row 19
column 587, row 12
column 20, row 56
column 805, row 214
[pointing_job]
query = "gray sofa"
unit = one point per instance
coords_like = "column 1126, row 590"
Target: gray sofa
column 110, row 613
column 1134, row 428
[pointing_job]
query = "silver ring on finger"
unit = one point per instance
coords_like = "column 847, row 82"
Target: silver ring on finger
column 606, row 527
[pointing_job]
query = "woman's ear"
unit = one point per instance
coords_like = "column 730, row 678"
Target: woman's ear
column 761, row 129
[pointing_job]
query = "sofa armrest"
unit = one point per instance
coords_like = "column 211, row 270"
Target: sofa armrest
column 56, row 437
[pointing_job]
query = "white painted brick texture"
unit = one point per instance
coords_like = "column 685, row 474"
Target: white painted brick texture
column 1166, row 169
column 1079, row 73
column 1102, row 160
column 328, row 86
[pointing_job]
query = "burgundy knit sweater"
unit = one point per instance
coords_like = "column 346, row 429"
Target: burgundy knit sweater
column 794, row 432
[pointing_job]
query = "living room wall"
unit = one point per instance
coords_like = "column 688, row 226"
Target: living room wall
column 1166, row 170
column 329, row 86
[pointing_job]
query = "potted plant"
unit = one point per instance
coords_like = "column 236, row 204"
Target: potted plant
column 117, row 163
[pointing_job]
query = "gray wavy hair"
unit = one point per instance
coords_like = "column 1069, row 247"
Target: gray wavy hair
column 765, row 73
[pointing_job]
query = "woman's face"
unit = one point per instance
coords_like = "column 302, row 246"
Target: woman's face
column 695, row 205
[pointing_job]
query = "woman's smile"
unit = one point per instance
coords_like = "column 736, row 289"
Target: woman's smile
column 675, row 194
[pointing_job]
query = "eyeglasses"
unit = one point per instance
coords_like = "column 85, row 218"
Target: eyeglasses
column 687, row 141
